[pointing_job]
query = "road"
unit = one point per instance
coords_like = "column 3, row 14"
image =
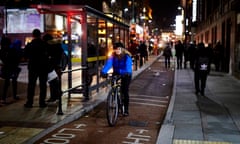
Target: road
column 150, row 94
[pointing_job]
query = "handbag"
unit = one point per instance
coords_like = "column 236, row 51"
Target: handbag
column 52, row 75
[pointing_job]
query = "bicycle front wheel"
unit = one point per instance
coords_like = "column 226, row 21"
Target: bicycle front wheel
column 112, row 107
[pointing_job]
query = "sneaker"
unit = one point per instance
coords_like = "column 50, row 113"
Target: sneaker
column 197, row 91
column 28, row 105
column 125, row 114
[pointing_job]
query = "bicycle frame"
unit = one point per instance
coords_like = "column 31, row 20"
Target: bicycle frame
column 114, row 100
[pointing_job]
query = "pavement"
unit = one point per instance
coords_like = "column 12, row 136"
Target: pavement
column 190, row 119
column 194, row 119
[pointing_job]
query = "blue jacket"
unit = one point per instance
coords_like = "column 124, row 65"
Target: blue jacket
column 120, row 66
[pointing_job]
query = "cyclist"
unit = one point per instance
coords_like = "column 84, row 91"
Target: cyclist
column 121, row 62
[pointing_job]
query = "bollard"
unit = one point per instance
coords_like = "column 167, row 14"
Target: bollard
column 60, row 112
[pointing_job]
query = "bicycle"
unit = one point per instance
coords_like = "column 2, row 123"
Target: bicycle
column 114, row 100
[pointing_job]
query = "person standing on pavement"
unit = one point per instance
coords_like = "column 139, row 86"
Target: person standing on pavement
column 10, row 56
column 167, row 53
column 203, row 58
column 37, row 56
column 121, row 62
column 179, row 49
column 55, row 52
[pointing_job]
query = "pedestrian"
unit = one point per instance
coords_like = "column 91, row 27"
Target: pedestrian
column 133, row 49
column 10, row 56
column 121, row 62
column 186, row 55
column 142, row 50
column 55, row 52
column 191, row 51
column 167, row 53
column 37, row 56
column 203, row 58
column 179, row 49
column 218, row 56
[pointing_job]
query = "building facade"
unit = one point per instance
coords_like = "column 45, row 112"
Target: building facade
column 219, row 21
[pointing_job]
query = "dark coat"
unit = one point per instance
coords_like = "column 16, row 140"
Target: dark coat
column 37, row 55
column 202, row 52
column 11, row 57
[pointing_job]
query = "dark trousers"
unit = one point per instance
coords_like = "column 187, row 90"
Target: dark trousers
column 55, row 89
column 167, row 61
column 142, row 60
column 192, row 63
column 125, row 83
column 32, row 80
column 55, row 85
column 10, row 74
column 6, row 85
column 179, row 62
column 200, row 78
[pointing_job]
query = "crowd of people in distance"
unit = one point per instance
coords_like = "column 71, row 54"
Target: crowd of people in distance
column 200, row 58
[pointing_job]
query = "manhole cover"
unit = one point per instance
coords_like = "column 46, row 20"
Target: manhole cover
column 137, row 123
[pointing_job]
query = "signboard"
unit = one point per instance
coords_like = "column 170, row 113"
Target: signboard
column 22, row 21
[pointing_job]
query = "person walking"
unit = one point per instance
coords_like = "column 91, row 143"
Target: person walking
column 142, row 50
column 186, row 54
column 191, row 51
column 55, row 52
column 167, row 53
column 179, row 49
column 37, row 56
column 133, row 49
column 121, row 62
column 203, row 58
column 10, row 56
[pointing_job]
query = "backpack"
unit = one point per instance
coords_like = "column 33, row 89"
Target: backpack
column 203, row 63
column 64, row 61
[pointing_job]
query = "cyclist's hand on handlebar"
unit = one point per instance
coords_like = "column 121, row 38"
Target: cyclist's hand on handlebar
column 104, row 75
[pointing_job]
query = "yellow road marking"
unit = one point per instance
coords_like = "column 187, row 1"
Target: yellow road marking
column 177, row 141
column 90, row 59
column 14, row 135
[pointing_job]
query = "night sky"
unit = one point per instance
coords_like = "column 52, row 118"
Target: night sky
column 164, row 12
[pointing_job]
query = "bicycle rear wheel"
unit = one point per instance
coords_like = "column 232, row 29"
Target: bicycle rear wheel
column 112, row 107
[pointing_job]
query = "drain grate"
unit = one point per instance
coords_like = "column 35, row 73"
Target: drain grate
column 137, row 123
column 176, row 141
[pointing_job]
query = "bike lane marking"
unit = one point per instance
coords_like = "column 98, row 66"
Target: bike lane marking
column 64, row 135
column 150, row 100
column 137, row 137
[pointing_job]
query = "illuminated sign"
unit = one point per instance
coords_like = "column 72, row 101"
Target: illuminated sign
column 23, row 21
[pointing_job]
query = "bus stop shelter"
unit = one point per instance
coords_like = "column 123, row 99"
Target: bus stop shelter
column 84, row 28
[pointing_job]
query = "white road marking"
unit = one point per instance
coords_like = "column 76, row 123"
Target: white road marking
column 148, row 100
column 148, row 104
